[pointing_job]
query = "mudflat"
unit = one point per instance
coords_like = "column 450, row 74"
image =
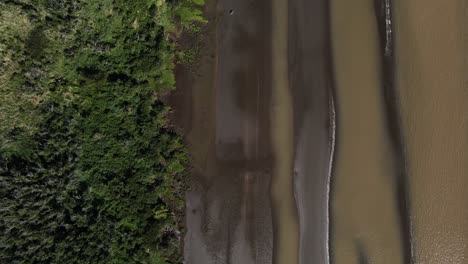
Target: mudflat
column 223, row 107
column 311, row 86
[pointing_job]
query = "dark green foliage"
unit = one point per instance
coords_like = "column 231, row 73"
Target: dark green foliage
column 90, row 171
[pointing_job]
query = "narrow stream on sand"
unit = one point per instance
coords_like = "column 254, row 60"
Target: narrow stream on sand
column 284, row 206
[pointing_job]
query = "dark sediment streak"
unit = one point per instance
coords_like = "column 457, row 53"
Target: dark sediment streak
column 384, row 18
column 363, row 257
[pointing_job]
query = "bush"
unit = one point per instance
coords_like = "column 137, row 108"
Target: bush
column 90, row 169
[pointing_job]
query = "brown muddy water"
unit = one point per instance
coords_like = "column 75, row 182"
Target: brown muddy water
column 365, row 211
column 327, row 131
column 431, row 69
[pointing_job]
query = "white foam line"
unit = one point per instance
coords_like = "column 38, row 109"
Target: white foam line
column 332, row 113
column 388, row 28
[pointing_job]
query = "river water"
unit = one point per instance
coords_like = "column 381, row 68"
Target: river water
column 431, row 56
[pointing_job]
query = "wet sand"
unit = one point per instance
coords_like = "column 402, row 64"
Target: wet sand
column 311, row 84
column 365, row 213
column 251, row 133
column 431, row 56
column 223, row 108
column 284, row 78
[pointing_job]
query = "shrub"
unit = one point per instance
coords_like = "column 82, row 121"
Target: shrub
column 90, row 169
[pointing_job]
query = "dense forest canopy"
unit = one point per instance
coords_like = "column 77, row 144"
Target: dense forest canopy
column 90, row 169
